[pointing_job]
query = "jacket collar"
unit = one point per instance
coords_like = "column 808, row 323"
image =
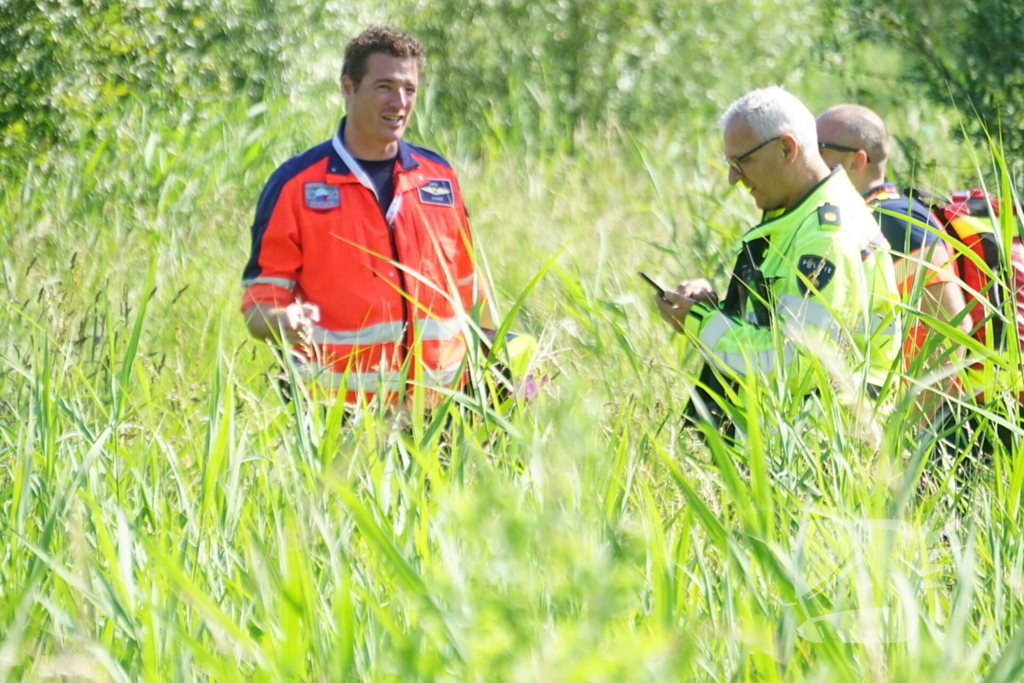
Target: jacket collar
column 774, row 221
column 343, row 163
column 881, row 192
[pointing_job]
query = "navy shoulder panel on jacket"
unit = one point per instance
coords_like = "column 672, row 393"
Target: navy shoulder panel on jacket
column 904, row 236
column 285, row 172
column 429, row 155
column 271, row 192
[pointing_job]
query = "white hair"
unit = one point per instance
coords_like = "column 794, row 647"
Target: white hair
column 772, row 112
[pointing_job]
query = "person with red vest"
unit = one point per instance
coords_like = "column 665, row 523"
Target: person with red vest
column 362, row 254
column 855, row 137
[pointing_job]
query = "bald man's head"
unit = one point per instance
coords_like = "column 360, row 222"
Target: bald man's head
column 852, row 125
column 855, row 138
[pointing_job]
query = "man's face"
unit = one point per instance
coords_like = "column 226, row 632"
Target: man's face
column 761, row 169
column 378, row 108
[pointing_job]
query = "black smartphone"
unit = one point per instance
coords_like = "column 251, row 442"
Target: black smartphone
column 652, row 283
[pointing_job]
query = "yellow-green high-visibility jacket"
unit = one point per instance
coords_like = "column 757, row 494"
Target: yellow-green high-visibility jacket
column 815, row 282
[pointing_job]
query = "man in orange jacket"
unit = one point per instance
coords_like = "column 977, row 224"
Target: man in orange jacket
column 361, row 248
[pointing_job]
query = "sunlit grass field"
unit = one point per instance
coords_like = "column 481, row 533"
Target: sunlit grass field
column 166, row 516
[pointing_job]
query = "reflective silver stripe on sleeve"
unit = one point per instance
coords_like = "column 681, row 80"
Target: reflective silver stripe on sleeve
column 374, row 382
column 794, row 313
column 444, row 377
column 761, row 361
column 371, row 382
column 366, row 382
column 801, row 312
column 804, row 312
column 715, row 330
column 276, row 281
column 740, row 361
column 427, row 329
column 371, row 334
column 432, row 329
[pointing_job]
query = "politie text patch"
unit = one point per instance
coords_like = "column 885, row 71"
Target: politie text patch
column 438, row 192
column 817, row 270
column 322, row 196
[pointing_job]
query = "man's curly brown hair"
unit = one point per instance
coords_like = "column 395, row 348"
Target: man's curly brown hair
column 384, row 39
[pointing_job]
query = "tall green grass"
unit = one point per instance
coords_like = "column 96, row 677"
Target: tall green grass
column 166, row 517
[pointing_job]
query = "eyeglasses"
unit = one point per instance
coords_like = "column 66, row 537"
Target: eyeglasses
column 841, row 148
column 734, row 162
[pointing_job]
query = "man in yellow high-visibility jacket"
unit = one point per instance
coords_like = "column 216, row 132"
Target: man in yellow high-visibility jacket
column 813, row 280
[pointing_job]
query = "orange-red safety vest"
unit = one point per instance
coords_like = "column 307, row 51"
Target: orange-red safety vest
column 391, row 287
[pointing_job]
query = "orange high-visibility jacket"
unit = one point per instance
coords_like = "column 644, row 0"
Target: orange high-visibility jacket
column 912, row 246
column 390, row 287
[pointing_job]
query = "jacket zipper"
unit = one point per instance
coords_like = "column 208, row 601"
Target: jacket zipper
column 406, row 326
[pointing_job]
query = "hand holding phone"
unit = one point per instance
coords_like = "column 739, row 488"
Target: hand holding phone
column 700, row 291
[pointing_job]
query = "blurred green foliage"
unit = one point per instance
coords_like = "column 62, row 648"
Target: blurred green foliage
column 503, row 64
column 500, row 70
column 64, row 64
column 962, row 53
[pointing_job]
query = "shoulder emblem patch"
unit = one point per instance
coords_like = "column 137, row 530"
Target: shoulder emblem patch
column 817, row 272
column 322, row 196
column 438, row 192
column 828, row 214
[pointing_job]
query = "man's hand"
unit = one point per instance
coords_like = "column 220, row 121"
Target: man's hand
column 674, row 308
column 295, row 321
column 299, row 319
column 698, row 290
column 677, row 303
